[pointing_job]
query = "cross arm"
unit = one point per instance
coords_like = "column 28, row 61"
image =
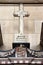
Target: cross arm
column 26, row 14
column 16, row 14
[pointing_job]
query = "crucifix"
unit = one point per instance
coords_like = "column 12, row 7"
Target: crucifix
column 21, row 13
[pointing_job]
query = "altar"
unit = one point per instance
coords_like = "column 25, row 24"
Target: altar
column 21, row 53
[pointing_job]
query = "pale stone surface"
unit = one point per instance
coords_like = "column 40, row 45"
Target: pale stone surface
column 34, row 40
column 38, row 24
column 7, row 40
column 29, row 26
column 10, row 25
column 35, row 12
column 6, row 12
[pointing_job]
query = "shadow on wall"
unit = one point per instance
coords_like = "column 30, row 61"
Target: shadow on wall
column 1, row 40
column 41, row 37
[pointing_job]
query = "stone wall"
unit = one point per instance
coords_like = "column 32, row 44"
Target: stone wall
column 10, row 24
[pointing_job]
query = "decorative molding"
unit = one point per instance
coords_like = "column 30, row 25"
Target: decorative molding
column 21, row 1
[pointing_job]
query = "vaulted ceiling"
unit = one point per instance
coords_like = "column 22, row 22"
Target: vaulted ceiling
column 21, row 1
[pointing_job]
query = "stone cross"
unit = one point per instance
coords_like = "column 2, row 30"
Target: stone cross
column 21, row 13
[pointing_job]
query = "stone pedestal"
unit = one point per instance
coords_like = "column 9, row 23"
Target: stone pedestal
column 21, row 39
